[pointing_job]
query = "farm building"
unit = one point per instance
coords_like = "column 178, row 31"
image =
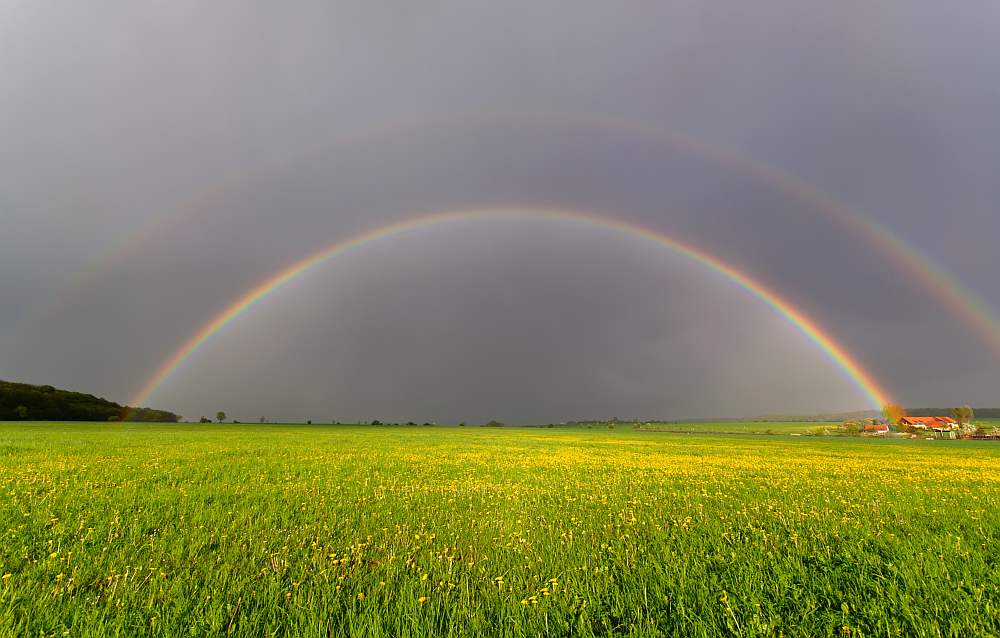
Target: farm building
column 877, row 429
column 928, row 422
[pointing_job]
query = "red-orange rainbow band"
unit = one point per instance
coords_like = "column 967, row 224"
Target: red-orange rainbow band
column 847, row 363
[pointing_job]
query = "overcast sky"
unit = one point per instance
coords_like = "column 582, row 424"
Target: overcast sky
column 160, row 159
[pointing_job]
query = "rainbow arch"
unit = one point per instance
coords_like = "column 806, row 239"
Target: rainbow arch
column 827, row 344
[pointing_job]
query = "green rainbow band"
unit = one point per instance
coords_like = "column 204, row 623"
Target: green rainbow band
column 858, row 375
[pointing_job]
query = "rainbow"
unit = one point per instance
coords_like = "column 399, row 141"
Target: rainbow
column 966, row 305
column 857, row 374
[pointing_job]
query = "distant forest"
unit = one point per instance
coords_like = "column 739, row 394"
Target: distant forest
column 21, row 402
column 980, row 413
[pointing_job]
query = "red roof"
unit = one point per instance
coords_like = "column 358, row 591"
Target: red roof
column 929, row 421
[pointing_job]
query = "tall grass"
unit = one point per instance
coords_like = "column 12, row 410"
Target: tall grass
column 351, row 531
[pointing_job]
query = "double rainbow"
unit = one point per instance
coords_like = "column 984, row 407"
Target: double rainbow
column 961, row 301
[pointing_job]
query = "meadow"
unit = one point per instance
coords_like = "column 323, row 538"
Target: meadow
column 739, row 427
column 207, row 530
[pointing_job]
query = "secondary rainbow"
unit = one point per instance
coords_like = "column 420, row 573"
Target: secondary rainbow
column 838, row 354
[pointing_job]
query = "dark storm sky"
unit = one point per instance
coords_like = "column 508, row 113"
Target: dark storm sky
column 159, row 160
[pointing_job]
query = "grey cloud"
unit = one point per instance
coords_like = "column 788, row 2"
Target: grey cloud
column 111, row 115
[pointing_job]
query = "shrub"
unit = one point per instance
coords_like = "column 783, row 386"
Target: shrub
column 966, row 429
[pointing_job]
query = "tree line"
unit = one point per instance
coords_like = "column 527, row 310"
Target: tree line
column 982, row 413
column 23, row 401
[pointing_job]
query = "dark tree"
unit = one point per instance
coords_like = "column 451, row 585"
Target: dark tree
column 46, row 403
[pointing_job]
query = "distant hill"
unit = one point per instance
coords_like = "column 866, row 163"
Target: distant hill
column 21, row 401
column 980, row 413
column 823, row 417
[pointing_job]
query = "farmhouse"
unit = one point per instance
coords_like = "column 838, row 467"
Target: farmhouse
column 877, row 429
column 928, row 422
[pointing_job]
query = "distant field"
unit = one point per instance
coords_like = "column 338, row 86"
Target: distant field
column 168, row 530
column 796, row 427
column 776, row 427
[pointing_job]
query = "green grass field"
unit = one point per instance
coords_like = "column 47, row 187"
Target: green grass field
column 194, row 530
